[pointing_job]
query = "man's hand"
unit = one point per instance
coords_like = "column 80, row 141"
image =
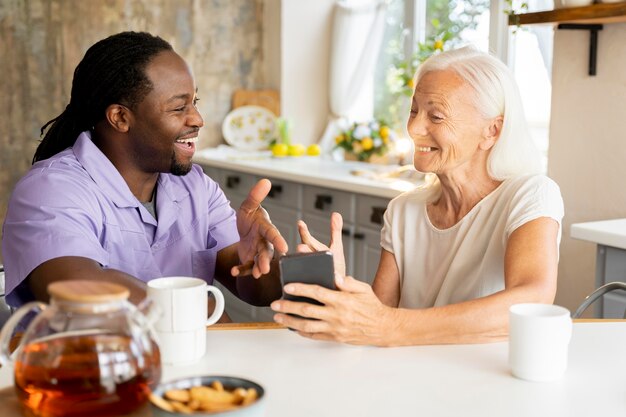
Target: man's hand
column 258, row 236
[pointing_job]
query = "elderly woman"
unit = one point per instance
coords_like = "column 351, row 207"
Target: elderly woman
column 458, row 252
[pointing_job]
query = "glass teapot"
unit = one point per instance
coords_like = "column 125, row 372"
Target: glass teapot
column 89, row 353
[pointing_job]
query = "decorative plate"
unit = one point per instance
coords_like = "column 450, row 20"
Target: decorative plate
column 249, row 128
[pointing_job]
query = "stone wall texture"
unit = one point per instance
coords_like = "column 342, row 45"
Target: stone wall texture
column 42, row 41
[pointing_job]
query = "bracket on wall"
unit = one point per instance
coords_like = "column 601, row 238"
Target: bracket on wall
column 593, row 41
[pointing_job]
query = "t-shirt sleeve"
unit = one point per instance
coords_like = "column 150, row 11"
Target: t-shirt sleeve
column 538, row 197
column 386, row 233
column 223, row 218
column 47, row 217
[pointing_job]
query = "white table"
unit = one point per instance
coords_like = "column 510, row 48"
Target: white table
column 610, row 238
column 309, row 378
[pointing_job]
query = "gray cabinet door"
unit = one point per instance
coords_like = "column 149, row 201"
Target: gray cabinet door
column 366, row 254
column 285, row 219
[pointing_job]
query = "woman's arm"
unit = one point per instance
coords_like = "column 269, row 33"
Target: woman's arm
column 386, row 285
column 356, row 315
column 530, row 271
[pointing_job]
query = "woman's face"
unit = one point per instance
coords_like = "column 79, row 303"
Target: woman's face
column 448, row 131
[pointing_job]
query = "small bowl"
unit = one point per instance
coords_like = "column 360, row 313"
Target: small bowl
column 255, row 409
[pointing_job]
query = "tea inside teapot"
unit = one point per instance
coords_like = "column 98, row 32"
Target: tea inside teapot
column 87, row 354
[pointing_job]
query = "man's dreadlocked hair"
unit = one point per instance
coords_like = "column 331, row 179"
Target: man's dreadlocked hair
column 112, row 71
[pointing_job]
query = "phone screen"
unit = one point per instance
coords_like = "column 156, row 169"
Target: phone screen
column 308, row 268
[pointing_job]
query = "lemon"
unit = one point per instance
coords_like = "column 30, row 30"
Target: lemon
column 313, row 150
column 280, row 149
column 384, row 132
column 296, row 150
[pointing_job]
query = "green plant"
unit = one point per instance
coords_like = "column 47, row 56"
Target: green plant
column 514, row 12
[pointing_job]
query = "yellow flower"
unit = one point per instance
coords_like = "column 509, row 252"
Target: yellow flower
column 410, row 83
column 367, row 143
column 384, row 132
column 438, row 45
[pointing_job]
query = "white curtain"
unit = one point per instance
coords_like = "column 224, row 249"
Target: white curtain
column 358, row 29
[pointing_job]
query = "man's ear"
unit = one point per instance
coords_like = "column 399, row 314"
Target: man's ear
column 118, row 117
column 492, row 133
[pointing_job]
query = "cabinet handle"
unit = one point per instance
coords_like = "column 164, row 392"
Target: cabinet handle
column 345, row 232
column 377, row 215
column 359, row 236
column 232, row 181
column 322, row 200
column 276, row 189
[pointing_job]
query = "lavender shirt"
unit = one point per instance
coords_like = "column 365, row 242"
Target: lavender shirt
column 76, row 203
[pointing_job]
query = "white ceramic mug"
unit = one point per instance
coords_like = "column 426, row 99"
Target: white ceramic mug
column 181, row 329
column 539, row 336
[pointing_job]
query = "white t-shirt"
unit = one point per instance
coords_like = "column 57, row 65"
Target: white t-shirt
column 466, row 261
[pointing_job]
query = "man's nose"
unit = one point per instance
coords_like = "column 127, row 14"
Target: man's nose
column 196, row 118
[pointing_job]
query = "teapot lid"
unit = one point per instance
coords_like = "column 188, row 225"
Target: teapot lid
column 87, row 291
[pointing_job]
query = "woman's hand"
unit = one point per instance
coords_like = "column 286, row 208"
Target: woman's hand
column 310, row 244
column 351, row 315
column 258, row 236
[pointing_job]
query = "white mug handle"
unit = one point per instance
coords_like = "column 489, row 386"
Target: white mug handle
column 219, row 305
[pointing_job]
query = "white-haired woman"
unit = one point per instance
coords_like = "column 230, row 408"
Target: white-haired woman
column 456, row 254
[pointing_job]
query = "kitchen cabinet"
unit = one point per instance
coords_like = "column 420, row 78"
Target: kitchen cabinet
column 311, row 193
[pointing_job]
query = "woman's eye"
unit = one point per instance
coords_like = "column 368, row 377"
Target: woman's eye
column 436, row 118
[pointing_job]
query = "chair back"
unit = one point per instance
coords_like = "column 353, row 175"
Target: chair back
column 591, row 298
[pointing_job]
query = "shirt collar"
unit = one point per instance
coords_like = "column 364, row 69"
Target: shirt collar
column 109, row 179
column 103, row 172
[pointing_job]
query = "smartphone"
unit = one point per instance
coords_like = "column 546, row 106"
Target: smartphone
column 308, row 268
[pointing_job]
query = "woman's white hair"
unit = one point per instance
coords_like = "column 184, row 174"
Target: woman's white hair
column 497, row 94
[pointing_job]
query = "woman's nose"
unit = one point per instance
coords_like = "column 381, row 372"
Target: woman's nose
column 416, row 125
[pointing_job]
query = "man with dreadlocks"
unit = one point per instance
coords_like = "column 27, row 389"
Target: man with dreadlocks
column 113, row 195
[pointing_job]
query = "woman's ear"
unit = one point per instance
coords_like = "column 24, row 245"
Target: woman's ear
column 492, row 133
column 118, row 117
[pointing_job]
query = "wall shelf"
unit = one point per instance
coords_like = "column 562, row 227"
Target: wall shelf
column 594, row 13
column 589, row 18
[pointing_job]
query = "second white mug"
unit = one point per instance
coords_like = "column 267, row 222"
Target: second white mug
column 539, row 336
column 181, row 329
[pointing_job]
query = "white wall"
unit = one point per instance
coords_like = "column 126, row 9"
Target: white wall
column 587, row 155
column 305, row 52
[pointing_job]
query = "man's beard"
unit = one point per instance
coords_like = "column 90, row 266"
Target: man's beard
column 179, row 168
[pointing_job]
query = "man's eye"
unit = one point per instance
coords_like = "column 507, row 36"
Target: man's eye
column 436, row 118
